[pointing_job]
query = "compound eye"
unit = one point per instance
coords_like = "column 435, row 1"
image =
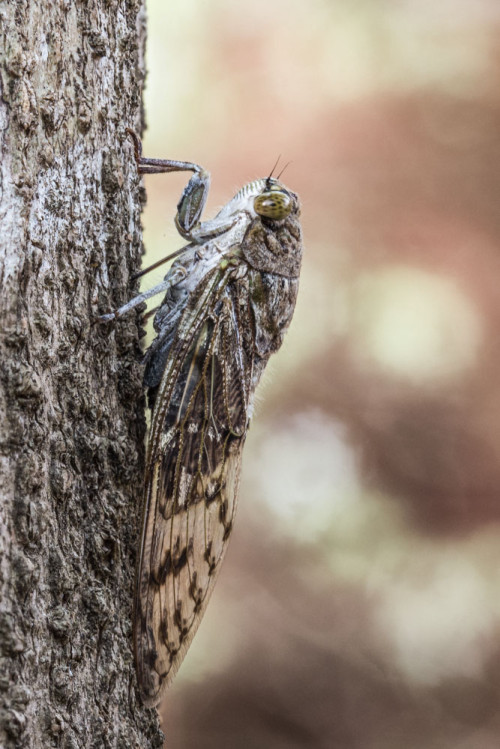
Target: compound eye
column 275, row 204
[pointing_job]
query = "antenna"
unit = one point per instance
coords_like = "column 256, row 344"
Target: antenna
column 274, row 167
column 287, row 164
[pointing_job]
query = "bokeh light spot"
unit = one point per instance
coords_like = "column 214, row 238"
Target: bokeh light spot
column 414, row 324
column 306, row 471
column 439, row 625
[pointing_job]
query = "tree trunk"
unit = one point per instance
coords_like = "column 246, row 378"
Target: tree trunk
column 71, row 403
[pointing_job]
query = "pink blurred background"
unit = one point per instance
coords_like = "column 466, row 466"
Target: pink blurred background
column 359, row 604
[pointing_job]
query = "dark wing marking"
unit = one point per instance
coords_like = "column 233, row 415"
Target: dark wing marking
column 198, row 430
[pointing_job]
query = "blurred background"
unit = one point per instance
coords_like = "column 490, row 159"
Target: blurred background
column 359, row 603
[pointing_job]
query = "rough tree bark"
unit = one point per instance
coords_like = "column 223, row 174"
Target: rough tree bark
column 71, row 404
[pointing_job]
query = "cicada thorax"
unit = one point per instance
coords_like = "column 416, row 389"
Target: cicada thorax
column 272, row 248
column 275, row 245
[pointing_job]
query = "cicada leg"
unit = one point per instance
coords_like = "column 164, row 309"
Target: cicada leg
column 194, row 196
column 168, row 281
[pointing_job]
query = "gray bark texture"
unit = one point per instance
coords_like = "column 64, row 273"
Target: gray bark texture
column 71, row 403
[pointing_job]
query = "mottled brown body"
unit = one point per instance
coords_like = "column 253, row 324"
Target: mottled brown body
column 230, row 298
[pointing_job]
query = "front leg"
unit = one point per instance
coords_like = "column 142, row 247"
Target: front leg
column 194, row 196
column 171, row 279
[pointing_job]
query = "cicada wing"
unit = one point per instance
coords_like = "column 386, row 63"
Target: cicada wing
column 191, row 492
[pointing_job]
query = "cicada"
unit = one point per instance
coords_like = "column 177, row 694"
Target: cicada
column 230, row 297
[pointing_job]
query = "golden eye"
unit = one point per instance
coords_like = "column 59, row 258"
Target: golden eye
column 275, row 204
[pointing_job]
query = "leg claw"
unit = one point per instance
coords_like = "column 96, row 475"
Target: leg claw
column 107, row 318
